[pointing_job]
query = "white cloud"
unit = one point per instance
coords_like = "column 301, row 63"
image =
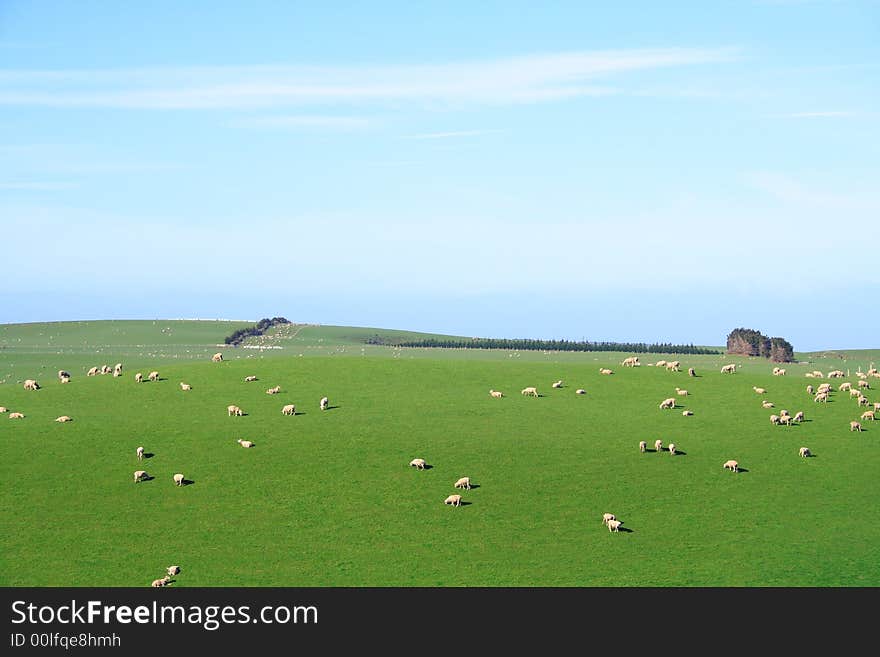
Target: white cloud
column 522, row 79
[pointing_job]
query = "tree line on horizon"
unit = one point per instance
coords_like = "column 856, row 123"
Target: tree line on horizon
column 749, row 342
column 522, row 344
column 239, row 336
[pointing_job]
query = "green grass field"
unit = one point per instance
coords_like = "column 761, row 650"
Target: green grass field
column 328, row 498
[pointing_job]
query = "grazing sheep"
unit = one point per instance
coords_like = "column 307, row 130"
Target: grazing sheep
column 667, row 403
column 105, row 369
column 687, row 413
column 185, row 386
column 63, row 374
column 673, row 366
column 731, row 465
column 766, row 404
column 660, row 363
column 140, row 453
column 846, row 385
column 173, row 570
column 273, row 391
column 64, row 418
column 30, row 384
column 464, row 482
column 153, row 376
column 760, row 391
column 325, row 403
column 863, row 401
column 92, row 371
column 877, row 406
column 799, row 416
column 607, row 517
column 289, row 409
column 855, row 426
column 836, row 374
column 497, row 394
column 672, row 448
column 821, row 397
column 855, row 392
column 139, row 475
column 643, row 446
column 454, row 500
column 15, row 415
column 557, row 384
column 250, row 378
column 530, row 391
column 658, row 445
column 418, row 463
column 729, row 369
column 178, row 479
column 605, row 370
column 810, row 390
column 3, row 409
column 774, row 419
column 217, row 357
column 138, row 377
column 680, row 392
column 868, row 415
column 159, row 583
column 824, row 387
column 692, row 371
column 244, row 443
column 232, row 409
column 631, row 361
column 785, row 419
column 117, row 370
column 65, row 379
column 580, row 391
column 804, row 451
column 864, row 384
column 614, row 525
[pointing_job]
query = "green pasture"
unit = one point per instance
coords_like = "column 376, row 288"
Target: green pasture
column 327, row 498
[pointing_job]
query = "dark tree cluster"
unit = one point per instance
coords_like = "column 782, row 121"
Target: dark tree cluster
column 544, row 345
column 259, row 328
column 749, row 342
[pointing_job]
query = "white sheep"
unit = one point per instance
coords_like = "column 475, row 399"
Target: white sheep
column 31, row 384
column 731, row 465
column 799, row 416
column 185, row 386
column 454, row 500
column 729, row 369
column 63, row 373
column 614, row 525
column 217, row 357
column 607, row 517
column 804, row 451
column 855, row 426
column 65, row 379
column 464, row 482
column 774, row 419
column 3, row 409
column 864, row 384
column 643, row 446
column 692, row 371
column 178, row 479
column 821, row 397
column 667, row 403
column 531, row 390
column 325, row 403
column 250, row 378
column 93, row 371
column 153, row 376
column 557, row 384
column 159, row 583
column 672, row 448
column 64, row 418
column 605, row 370
column 140, row 475
column 810, row 390
column 117, row 370
column 172, row 570
column 497, row 394
column 877, row 406
column 846, row 385
column 580, row 391
column 245, row 443
column 868, row 415
column 760, row 391
column 658, row 445
column 138, row 377
column 766, row 404
column 686, row 413
column 273, row 391
column 140, row 453
column 680, row 392
column 232, row 409
column 418, row 463
column 289, row 409
column 630, row 361
column 15, row 415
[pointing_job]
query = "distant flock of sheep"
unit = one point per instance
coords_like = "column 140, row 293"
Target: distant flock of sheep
column 820, row 394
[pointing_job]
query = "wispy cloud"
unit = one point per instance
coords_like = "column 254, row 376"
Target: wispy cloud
column 816, row 115
column 303, row 121
column 522, row 79
column 36, row 186
column 450, row 134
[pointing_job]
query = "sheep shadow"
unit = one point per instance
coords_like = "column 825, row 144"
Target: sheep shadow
column 148, row 455
column 147, row 478
column 187, row 482
column 462, row 503
column 623, row 529
column 473, row 486
column 741, row 470
column 330, row 408
column 679, row 452
column 428, row 467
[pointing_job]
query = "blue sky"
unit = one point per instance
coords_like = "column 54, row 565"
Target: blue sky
column 587, row 170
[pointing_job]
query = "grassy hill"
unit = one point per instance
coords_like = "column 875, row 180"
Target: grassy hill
column 328, row 499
